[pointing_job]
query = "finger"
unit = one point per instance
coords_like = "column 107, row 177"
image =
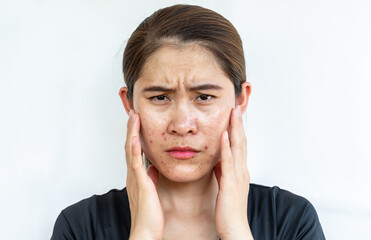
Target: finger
column 137, row 161
column 128, row 138
column 130, row 115
column 227, row 163
column 133, row 130
column 238, row 138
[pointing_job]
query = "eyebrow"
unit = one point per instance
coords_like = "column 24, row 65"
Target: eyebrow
column 205, row 87
column 193, row 88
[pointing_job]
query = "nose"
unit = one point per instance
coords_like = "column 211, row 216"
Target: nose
column 183, row 121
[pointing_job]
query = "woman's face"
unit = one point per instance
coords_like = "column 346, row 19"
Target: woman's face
column 184, row 102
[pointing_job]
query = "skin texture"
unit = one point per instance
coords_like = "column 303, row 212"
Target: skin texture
column 183, row 119
column 208, row 192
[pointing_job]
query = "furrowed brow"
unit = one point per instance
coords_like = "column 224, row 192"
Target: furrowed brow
column 158, row 89
column 205, row 87
column 193, row 88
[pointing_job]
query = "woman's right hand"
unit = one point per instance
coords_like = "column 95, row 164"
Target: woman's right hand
column 147, row 216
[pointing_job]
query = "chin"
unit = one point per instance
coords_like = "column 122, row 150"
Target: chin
column 183, row 171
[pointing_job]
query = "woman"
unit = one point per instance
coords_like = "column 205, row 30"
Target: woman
column 186, row 93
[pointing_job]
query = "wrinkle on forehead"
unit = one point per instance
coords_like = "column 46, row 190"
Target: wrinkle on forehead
column 186, row 70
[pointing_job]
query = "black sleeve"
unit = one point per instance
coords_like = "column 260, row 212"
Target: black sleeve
column 310, row 227
column 76, row 222
column 296, row 217
column 62, row 229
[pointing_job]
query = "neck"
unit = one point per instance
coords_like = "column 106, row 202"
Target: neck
column 188, row 199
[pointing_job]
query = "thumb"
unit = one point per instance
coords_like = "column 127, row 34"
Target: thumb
column 152, row 172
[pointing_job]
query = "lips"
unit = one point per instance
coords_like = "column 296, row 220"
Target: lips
column 183, row 153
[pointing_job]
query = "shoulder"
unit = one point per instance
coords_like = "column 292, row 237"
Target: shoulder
column 279, row 198
column 92, row 217
column 288, row 215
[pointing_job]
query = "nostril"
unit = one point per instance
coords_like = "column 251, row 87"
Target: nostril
column 182, row 125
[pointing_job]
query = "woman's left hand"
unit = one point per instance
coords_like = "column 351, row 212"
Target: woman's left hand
column 234, row 180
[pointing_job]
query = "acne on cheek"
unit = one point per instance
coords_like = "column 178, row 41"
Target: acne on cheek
column 163, row 134
column 146, row 132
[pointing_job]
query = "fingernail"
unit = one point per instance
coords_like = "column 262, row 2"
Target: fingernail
column 226, row 136
column 133, row 117
column 130, row 114
column 238, row 111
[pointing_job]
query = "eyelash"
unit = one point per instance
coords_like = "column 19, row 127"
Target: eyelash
column 155, row 98
column 209, row 98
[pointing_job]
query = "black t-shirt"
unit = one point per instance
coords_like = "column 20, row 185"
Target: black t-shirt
column 273, row 213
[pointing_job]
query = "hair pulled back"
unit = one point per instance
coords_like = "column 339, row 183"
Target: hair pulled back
column 185, row 24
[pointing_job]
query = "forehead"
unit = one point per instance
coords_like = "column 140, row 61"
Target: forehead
column 186, row 64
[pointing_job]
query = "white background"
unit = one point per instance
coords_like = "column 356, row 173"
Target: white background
column 63, row 127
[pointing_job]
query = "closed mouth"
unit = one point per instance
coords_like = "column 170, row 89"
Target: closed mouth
column 182, row 153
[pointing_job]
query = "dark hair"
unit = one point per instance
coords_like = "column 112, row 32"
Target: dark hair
column 184, row 24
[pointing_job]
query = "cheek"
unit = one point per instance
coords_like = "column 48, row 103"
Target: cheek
column 150, row 129
column 216, row 121
column 213, row 125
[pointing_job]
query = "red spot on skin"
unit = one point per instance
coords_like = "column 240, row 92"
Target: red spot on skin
column 211, row 155
column 150, row 141
column 163, row 134
column 165, row 138
column 205, row 147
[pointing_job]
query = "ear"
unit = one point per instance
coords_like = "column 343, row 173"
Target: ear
column 243, row 99
column 128, row 103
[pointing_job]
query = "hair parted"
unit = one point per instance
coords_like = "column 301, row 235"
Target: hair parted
column 185, row 24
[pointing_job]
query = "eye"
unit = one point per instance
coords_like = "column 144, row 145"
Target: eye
column 205, row 98
column 159, row 98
